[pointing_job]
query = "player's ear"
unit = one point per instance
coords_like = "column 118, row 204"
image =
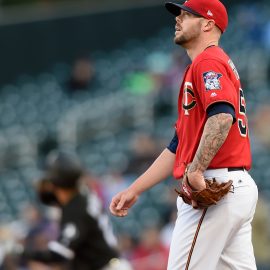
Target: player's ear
column 208, row 25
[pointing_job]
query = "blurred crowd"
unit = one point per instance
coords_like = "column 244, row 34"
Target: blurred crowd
column 37, row 226
column 132, row 134
column 143, row 238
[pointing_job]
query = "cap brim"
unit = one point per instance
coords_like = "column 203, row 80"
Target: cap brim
column 175, row 9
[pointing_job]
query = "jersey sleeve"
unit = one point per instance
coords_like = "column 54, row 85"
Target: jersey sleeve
column 213, row 83
column 221, row 107
column 173, row 144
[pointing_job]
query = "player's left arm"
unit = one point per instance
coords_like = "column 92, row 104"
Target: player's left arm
column 218, row 100
column 215, row 132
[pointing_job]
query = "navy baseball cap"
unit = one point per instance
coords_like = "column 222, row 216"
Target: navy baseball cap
column 209, row 9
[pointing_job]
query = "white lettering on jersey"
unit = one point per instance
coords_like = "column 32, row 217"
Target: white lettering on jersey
column 95, row 209
column 59, row 248
column 231, row 64
column 70, row 231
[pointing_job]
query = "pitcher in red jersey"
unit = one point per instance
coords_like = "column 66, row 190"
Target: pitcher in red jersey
column 211, row 137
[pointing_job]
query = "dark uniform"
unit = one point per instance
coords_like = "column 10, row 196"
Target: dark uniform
column 82, row 238
column 86, row 240
column 82, row 242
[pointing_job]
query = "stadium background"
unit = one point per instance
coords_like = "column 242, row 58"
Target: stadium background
column 101, row 78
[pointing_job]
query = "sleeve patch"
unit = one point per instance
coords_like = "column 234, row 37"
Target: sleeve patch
column 211, row 80
column 69, row 233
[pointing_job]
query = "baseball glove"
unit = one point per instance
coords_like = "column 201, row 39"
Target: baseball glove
column 213, row 192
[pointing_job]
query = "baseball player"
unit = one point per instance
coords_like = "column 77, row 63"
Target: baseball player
column 86, row 240
column 210, row 148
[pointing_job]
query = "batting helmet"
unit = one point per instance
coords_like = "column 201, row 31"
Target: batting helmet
column 63, row 169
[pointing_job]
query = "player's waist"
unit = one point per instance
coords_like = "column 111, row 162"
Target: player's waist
column 228, row 169
column 225, row 174
column 223, row 171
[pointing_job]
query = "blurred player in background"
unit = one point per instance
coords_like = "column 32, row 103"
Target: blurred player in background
column 86, row 240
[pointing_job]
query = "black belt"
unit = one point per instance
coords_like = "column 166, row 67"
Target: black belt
column 232, row 169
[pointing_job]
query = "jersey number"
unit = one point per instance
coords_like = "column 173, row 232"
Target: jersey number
column 242, row 123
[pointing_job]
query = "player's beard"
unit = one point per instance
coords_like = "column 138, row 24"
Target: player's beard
column 184, row 38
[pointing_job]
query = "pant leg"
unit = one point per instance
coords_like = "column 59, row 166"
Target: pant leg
column 220, row 226
column 210, row 241
column 238, row 253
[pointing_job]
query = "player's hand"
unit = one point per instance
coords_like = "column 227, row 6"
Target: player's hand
column 122, row 201
column 196, row 180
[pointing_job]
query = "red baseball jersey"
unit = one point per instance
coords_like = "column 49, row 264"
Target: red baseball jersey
column 212, row 77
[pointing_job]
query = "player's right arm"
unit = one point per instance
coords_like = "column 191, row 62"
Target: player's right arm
column 161, row 169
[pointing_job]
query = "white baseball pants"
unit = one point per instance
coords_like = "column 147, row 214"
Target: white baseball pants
column 224, row 239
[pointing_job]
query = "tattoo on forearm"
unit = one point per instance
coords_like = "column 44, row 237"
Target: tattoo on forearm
column 215, row 133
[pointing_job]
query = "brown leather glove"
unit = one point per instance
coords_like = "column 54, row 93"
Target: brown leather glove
column 213, row 192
